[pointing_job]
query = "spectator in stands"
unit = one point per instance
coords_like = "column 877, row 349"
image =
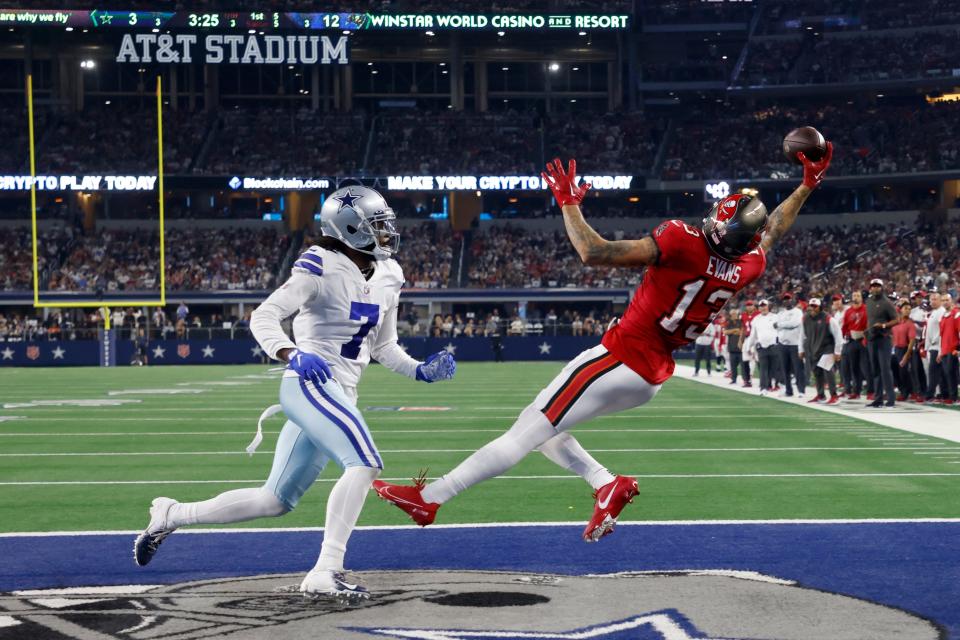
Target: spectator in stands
column 823, row 342
column 949, row 345
column 881, row 316
column 931, row 343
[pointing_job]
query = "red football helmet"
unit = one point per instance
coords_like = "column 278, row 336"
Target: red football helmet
column 735, row 225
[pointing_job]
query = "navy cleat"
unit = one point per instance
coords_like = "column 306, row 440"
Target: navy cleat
column 332, row 584
column 147, row 543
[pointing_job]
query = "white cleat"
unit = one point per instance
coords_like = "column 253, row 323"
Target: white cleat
column 332, row 584
column 147, row 543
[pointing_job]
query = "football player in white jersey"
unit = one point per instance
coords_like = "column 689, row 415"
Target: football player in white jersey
column 346, row 290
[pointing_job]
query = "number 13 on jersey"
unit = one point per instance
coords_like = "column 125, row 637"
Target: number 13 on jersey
column 695, row 315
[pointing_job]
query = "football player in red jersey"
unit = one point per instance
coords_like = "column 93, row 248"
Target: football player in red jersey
column 690, row 273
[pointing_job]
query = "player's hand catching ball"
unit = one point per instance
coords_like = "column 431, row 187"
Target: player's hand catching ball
column 310, row 366
column 564, row 183
column 439, row 366
column 813, row 171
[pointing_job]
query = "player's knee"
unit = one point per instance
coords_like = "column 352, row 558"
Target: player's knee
column 272, row 506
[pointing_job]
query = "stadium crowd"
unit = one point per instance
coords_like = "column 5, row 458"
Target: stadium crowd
column 860, row 58
column 867, row 139
column 785, row 16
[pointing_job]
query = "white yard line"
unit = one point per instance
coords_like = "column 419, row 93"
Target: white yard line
column 496, row 525
column 920, row 419
column 646, row 476
column 418, row 451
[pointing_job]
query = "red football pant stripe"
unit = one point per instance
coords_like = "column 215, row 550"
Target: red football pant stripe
column 574, row 387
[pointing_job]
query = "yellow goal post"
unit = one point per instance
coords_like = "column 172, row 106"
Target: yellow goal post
column 97, row 304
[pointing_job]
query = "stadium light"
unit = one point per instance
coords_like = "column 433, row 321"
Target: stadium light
column 501, row 33
column 554, row 67
column 87, row 64
column 431, row 33
column 582, row 33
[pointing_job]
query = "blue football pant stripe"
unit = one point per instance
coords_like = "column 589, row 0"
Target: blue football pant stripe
column 358, row 423
column 325, row 424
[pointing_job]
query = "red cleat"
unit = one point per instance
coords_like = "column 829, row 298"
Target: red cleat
column 611, row 499
column 870, row 397
column 853, row 396
column 834, row 400
column 408, row 499
column 816, row 399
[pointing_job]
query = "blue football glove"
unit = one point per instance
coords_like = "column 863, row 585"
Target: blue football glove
column 310, row 366
column 439, row 366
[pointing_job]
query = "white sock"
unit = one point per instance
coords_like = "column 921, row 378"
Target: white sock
column 564, row 450
column 343, row 509
column 231, row 506
column 530, row 431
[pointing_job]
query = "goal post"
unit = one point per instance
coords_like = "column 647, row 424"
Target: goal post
column 106, row 334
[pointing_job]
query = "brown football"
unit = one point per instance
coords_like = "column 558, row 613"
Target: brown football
column 806, row 139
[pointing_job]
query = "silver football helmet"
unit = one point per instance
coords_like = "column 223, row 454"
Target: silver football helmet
column 360, row 218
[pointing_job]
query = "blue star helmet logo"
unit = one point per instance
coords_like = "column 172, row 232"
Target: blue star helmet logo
column 346, row 200
column 234, row 182
column 668, row 624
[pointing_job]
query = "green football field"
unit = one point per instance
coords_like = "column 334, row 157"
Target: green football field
column 700, row 453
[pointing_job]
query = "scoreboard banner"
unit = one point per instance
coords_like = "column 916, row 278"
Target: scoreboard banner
column 258, row 22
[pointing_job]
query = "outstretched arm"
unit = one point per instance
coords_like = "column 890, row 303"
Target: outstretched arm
column 592, row 247
column 784, row 216
column 595, row 250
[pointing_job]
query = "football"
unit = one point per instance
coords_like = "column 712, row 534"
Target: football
column 806, row 139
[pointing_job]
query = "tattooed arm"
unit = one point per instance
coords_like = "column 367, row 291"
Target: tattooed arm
column 783, row 216
column 595, row 250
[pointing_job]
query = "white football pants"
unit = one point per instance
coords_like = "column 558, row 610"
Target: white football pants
column 593, row 384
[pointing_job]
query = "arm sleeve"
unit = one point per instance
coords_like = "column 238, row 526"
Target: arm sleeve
column 837, row 336
column 282, row 303
column 388, row 353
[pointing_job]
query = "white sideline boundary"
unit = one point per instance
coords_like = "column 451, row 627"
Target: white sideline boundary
column 496, row 525
column 919, row 419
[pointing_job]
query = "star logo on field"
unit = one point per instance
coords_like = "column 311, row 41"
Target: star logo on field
column 7, row 353
column 346, row 200
column 158, row 351
column 58, row 353
column 661, row 625
column 256, row 351
column 207, row 351
column 450, row 348
column 544, row 348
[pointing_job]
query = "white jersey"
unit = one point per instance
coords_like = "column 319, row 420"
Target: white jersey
column 343, row 317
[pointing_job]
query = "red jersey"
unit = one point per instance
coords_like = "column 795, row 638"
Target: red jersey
column 682, row 293
column 949, row 329
column 854, row 319
column 903, row 333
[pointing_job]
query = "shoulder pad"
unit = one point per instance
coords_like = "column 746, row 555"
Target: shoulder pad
column 311, row 261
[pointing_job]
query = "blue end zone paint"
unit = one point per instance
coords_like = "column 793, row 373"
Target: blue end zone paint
column 912, row 566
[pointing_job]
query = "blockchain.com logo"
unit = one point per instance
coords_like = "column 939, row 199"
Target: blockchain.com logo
column 465, row 605
column 235, row 182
